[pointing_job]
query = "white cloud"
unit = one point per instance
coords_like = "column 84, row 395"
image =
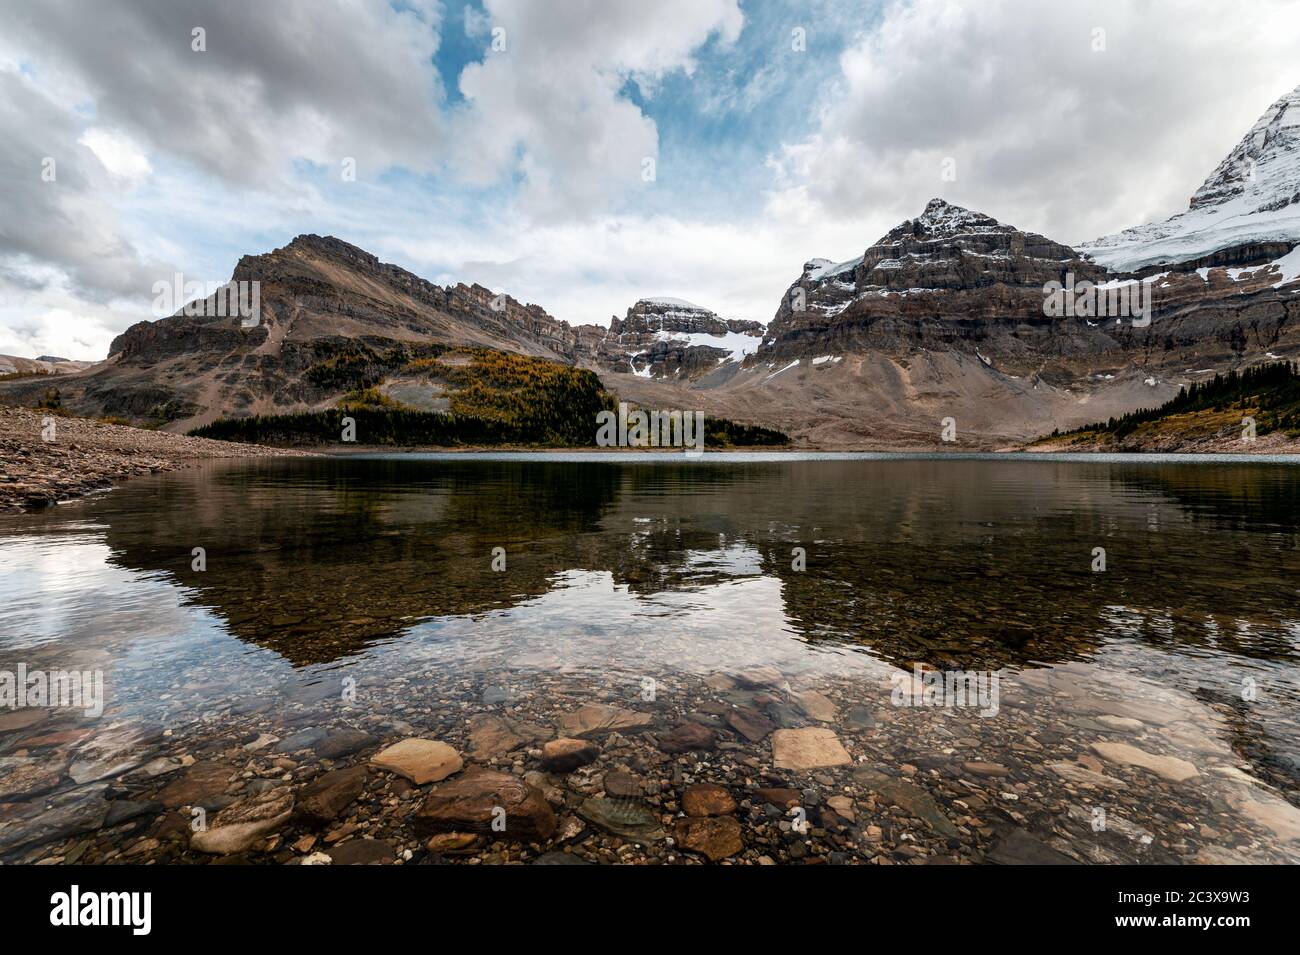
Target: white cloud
column 1046, row 132
column 584, row 272
column 59, row 206
column 50, row 320
column 550, row 108
column 119, row 154
column 314, row 79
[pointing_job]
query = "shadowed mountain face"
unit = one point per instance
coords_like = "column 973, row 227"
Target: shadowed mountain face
column 952, row 563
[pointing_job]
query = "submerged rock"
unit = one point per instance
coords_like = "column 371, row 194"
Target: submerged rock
column 916, row 802
column 495, row 735
column 688, row 737
column 812, row 748
column 597, row 718
column 816, row 706
column 1167, row 767
column 342, row 742
column 749, row 723
column 22, row 778
column 624, row 818
column 362, row 852
column 566, row 755
column 472, row 802
column 707, row 799
column 419, row 760
column 239, row 827
column 322, row 799
column 716, row 837
column 198, row 785
column 1020, row 848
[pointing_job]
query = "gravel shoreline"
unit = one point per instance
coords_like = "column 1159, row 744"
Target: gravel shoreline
column 87, row 455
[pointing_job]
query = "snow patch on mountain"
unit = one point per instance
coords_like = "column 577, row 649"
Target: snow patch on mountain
column 738, row 344
column 817, row 270
column 673, row 303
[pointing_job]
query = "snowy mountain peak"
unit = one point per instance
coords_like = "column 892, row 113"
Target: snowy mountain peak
column 1245, row 213
column 1265, row 164
column 942, row 218
column 676, row 303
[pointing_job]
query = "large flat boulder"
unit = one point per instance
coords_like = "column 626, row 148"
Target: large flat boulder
column 1167, row 767
column 322, row 799
column 473, row 801
column 597, row 718
column 239, row 827
column 813, row 747
column 419, row 760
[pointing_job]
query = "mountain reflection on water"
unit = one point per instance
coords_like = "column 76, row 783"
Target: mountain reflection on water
column 970, row 564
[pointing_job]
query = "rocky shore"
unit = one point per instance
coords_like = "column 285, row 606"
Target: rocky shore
column 545, row 769
column 87, row 455
column 1227, row 441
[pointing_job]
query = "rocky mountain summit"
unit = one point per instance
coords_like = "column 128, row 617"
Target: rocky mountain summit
column 671, row 338
column 922, row 284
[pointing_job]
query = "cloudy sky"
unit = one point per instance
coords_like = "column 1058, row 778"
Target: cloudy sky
column 581, row 154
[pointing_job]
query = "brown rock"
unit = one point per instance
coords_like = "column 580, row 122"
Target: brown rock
column 623, row 785
column 758, row 677
column 322, row 799
column 843, row 805
column 197, row 785
column 362, row 852
column 688, row 737
column 452, row 843
column 707, row 799
column 986, row 769
column 22, row 719
column 566, row 755
column 419, row 760
column 21, row 778
column 749, row 723
column 1083, row 776
column 1168, row 767
column 64, row 738
column 342, row 742
column 239, row 827
column 816, row 706
column 812, row 747
column 785, row 798
column 469, row 804
column 597, row 718
column 625, row 818
column 716, row 837
column 493, row 736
